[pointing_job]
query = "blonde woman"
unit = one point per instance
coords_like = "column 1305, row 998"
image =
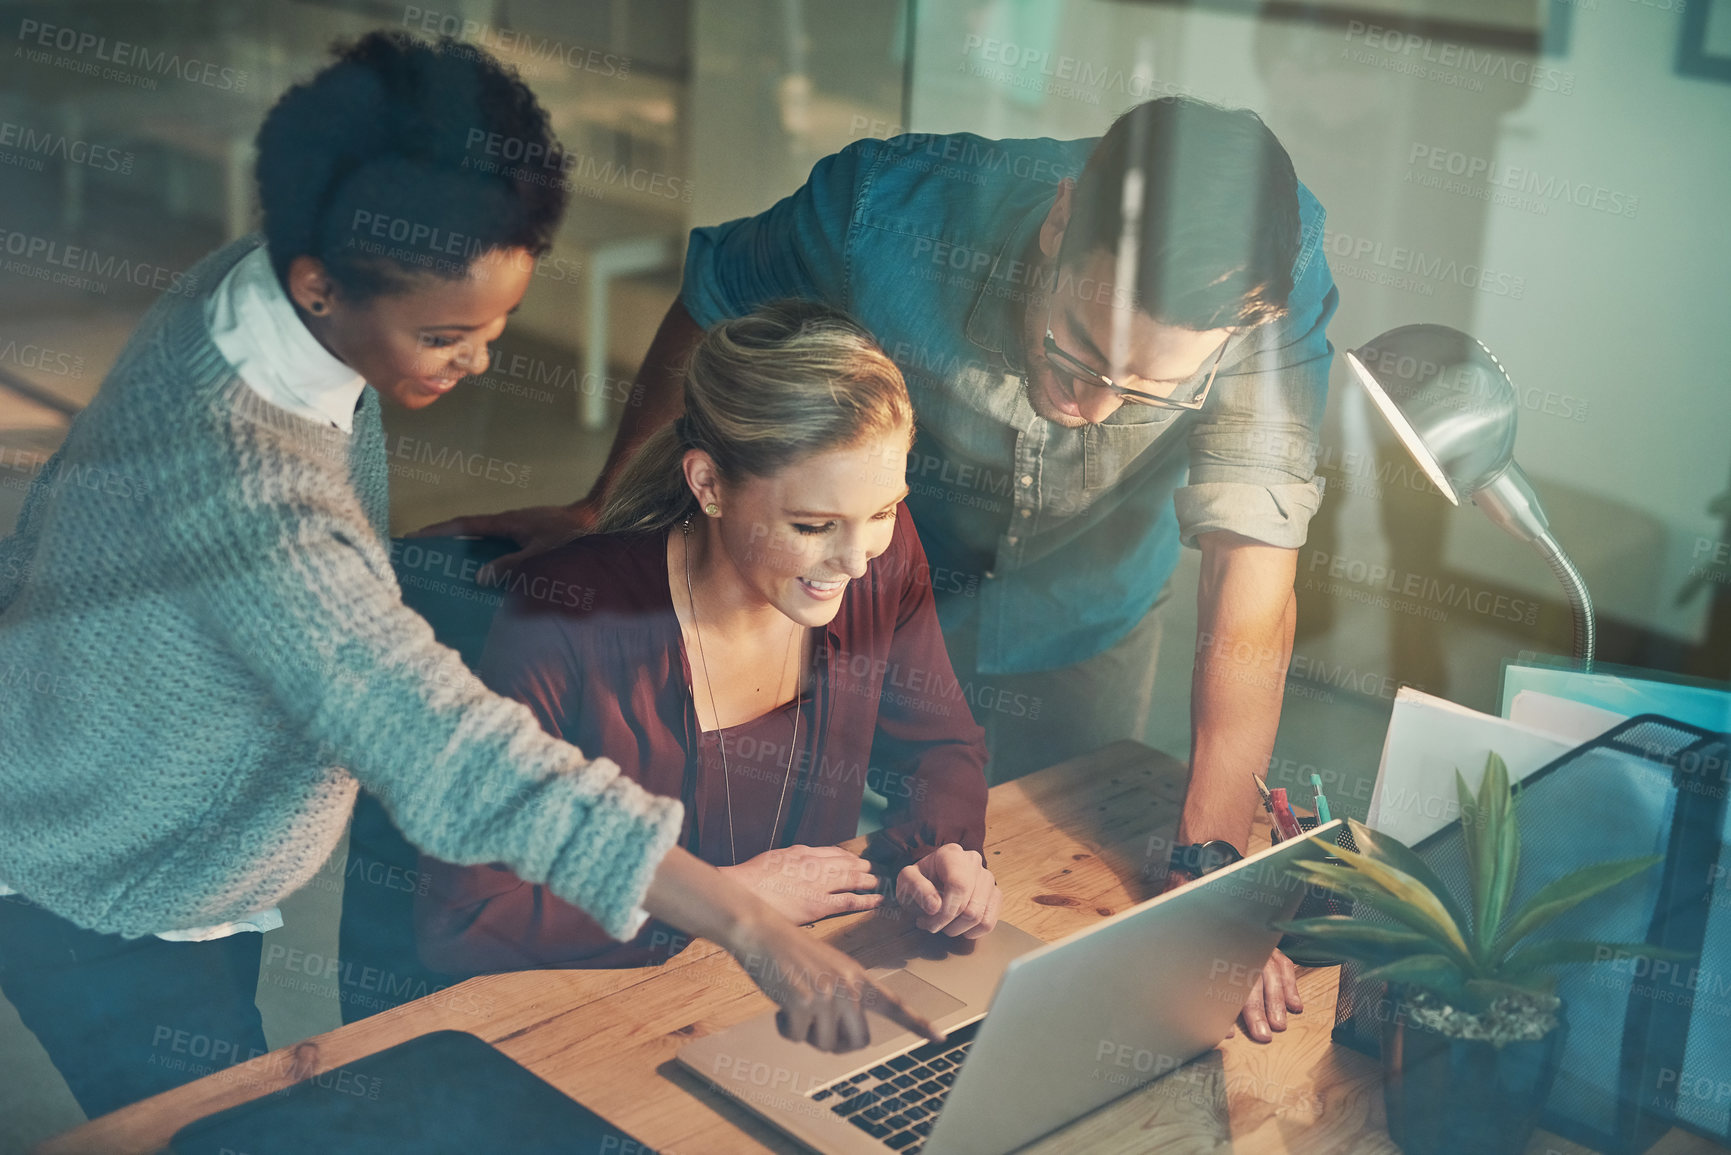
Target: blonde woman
column 753, row 633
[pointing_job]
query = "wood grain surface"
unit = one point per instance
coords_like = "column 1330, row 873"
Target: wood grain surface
column 1069, row 845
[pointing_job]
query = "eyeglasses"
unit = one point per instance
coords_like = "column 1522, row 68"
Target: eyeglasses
column 1072, row 367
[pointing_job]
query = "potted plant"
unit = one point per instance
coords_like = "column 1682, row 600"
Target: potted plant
column 1472, row 1046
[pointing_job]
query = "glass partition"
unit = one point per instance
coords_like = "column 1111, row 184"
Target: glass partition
column 1548, row 176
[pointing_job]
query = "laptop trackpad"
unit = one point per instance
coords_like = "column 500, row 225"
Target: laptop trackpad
column 917, row 994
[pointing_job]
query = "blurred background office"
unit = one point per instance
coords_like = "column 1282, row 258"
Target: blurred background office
column 1549, row 176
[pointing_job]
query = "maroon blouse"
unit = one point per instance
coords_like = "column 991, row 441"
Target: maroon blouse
column 589, row 641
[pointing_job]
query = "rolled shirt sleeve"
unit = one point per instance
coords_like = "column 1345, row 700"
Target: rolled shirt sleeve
column 1253, row 452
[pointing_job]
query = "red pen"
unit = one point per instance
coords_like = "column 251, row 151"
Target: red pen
column 1283, row 819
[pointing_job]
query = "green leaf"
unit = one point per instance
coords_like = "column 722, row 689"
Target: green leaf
column 1402, row 886
column 1477, row 848
column 1384, row 889
column 1332, row 876
column 1436, row 971
column 1313, row 850
column 1340, row 929
column 1364, row 956
column 1504, row 836
column 1564, row 952
column 1492, row 849
column 1345, row 939
column 1564, row 894
column 1398, row 855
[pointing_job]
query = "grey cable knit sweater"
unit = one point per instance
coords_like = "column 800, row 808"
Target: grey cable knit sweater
column 203, row 649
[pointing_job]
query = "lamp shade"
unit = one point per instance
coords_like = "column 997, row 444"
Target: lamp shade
column 1451, row 403
column 1448, row 398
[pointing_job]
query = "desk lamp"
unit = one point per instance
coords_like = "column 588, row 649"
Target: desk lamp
column 1453, row 406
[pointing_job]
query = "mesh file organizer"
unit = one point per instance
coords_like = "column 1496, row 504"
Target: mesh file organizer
column 1649, row 1042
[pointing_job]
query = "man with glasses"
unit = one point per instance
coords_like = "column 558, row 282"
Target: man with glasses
column 1114, row 346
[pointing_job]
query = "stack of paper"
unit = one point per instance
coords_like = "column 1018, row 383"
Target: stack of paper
column 1547, row 710
column 1429, row 738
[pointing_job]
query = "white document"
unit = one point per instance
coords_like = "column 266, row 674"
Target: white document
column 1429, row 738
column 1574, row 722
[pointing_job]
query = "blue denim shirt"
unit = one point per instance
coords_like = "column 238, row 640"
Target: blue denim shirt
column 1053, row 542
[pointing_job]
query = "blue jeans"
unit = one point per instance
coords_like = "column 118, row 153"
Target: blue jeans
column 127, row 1018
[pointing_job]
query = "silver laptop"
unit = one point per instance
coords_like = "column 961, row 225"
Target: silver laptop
column 1073, row 1024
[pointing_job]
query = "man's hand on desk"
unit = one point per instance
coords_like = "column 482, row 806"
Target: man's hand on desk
column 807, row 883
column 1273, row 996
column 953, row 891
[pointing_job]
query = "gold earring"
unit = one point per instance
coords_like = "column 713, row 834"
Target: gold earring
column 712, row 509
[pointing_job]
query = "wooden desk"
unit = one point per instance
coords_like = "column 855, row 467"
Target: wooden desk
column 1069, row 845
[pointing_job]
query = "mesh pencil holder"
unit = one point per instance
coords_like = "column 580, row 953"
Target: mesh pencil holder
column 1318, row 902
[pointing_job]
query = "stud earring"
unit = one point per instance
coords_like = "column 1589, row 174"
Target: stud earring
column 712, row 509
column 317, row 307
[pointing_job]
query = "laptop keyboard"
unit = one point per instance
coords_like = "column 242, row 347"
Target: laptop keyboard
column 897, row 1101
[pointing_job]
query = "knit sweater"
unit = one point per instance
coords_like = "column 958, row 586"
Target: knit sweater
column 203, row 650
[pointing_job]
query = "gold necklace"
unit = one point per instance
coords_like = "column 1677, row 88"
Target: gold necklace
column 720, row 733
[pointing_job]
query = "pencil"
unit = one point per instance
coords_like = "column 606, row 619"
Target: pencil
column 1262, row 789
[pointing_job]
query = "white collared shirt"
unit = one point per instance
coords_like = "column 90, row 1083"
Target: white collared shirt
column 254, row 325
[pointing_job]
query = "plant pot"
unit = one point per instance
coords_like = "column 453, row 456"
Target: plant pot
column 1464, row 1096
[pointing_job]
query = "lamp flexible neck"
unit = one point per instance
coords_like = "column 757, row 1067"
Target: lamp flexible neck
column 1580, row 601
column 1509, row 501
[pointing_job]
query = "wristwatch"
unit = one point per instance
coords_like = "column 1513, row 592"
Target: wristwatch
column 1199, row 858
